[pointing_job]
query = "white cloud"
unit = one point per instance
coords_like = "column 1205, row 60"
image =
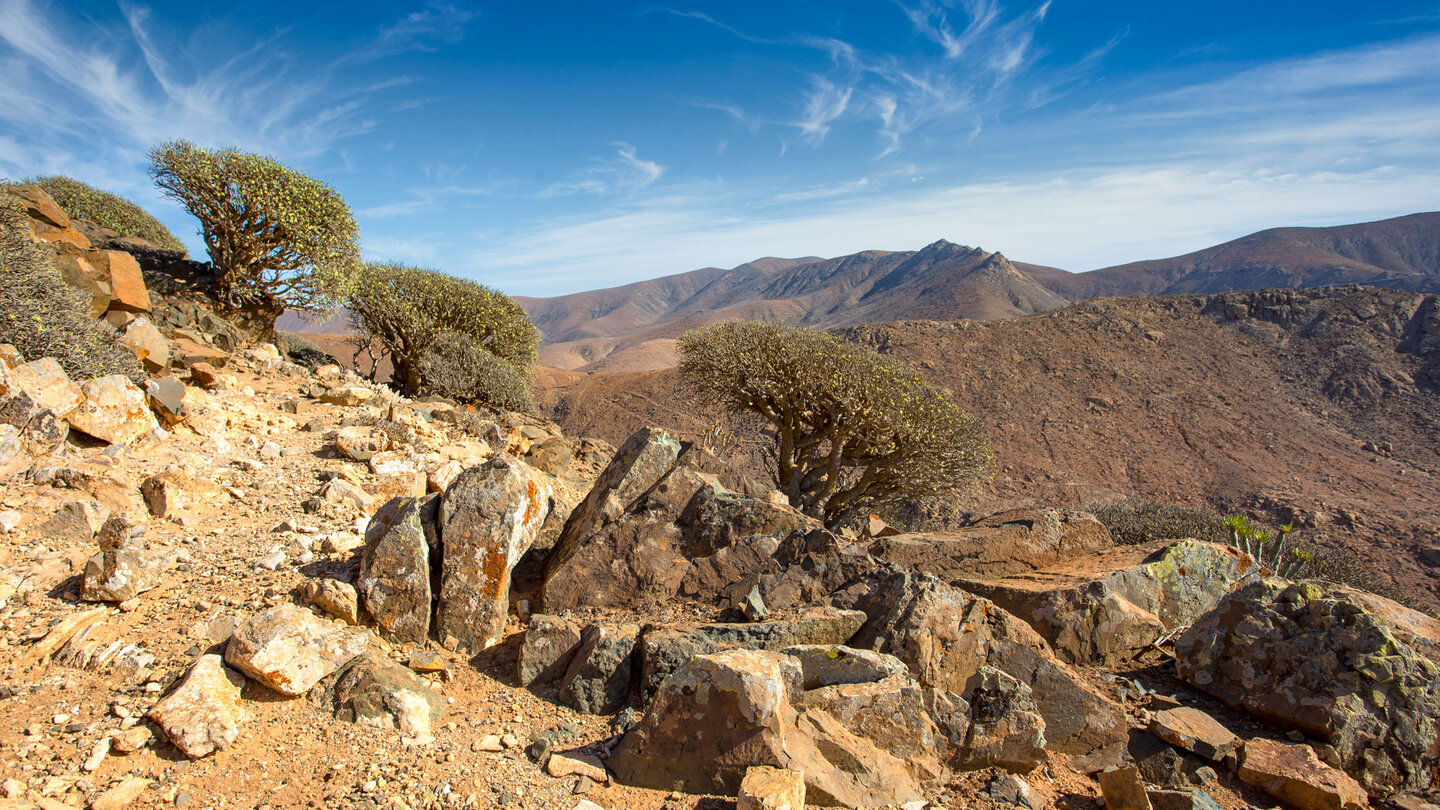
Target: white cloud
column 625, row 173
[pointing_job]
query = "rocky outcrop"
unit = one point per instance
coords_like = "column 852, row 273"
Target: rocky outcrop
column 1108, row 607
column 488, row 518
column 946, row 636
column 695, row 530
column 598, row 678
column 1333, row 663
column 394, row 585
column 1295, row 775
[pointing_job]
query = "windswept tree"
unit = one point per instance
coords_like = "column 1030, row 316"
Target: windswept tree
column 444, row 335
column 279, row 239
column 855, row 431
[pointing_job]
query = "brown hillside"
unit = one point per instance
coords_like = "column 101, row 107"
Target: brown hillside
column 1401, row 253
column 1315, row 406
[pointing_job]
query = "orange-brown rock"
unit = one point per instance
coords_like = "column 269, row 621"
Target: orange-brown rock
column 127, row 285
column 39, row 205
column 1295, row 774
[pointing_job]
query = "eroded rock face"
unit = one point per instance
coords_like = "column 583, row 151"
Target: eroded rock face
column 1108, row 607
column 488, row 518
column 945, row 636
column 204, row 713
column 289, row 649
column 1332, row 662
column 1002, row 544
column 394, row 584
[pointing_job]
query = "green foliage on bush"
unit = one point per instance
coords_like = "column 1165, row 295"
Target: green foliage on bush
column 279, row 238
column 81, row 201
column 458, row 367
column 855, row 431
column 45, row 317
column 1135, row 521
column 406, row 310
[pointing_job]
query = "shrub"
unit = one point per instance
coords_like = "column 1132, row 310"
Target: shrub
column 458, row 367
column 278, row 238
column 107, row 210
column 855, row 431
column 1134, row 521
column 45, row 317
column 404, row 310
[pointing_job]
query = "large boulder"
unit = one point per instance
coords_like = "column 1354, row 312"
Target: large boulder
column 946, row 636
column 289, row 649
column 92, row 282
column 115, row 411
column 1346, row 667
column 127, row 285
column 203, row 714
column 550, row 645
column 598, row 678
column 488, row 518
column 394, row 585
column 1005, row 543
column 721, row 714
column 1109, row 607
column 1295, row 775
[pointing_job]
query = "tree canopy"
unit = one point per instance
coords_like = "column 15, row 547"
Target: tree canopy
column 279, row 238
column 854, row 431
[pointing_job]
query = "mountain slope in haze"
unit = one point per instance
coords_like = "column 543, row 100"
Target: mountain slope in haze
column 1401, row 253
column 1313, row 406
column 635, row 327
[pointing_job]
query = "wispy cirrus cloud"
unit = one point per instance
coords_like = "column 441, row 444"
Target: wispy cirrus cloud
column 624, row 173
column 425, row 31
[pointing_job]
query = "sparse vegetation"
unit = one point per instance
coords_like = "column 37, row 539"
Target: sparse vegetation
column 45, row 317
column 855, row 432
column 445, row 335
column 1273, row 557
column 1135, row 521
column 279, row 238
column 458, row 366
column 82, row 201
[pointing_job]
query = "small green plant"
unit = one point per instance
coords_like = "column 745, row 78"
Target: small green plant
column 1272, row 557
column 82, row 201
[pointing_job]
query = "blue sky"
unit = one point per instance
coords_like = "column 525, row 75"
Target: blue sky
column 545, row 148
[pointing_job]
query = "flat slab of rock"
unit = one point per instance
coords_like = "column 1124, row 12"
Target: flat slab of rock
column 204, row 713
column 1295, row 774
column 664, row 651
column 1347, row 667
column 1002, row 544
column 1110, row 606
column 832, row 664
column 1194, row 731
column 489, row 517
column 1123, row 789
column 289, row 649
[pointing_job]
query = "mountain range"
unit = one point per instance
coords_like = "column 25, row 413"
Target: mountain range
column 634, row 327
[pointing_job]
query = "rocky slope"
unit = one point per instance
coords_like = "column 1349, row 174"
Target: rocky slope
column 1317, row 407
column 261, row 583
